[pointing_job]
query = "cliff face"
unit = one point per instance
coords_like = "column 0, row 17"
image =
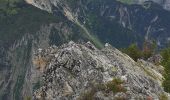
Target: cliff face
column 111, row 20
column 25, row 32
column 164, row 3
column 81, row 71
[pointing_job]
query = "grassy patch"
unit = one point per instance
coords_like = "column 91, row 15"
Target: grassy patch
column 163, row 97
column 89, row 94
column 145, row 69
column 27, row 98
column 115, row 86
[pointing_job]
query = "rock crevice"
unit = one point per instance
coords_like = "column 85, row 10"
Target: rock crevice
column 81, row 71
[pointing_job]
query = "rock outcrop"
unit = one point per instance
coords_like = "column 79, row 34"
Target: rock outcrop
column 81, row 71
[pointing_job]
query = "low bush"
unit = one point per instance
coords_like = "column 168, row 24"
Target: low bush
column 166, row 63
column 148, row 49
column 115, row 86
column 133, row 51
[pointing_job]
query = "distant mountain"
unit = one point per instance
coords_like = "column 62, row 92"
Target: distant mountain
column 164, row 3
column 117, row 23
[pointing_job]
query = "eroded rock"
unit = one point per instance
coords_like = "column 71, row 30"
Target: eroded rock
column 81, row 71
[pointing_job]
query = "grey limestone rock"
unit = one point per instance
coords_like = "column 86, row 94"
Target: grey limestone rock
column 83, row 72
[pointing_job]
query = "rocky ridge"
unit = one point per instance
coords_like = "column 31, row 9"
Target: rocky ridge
column 83, row 72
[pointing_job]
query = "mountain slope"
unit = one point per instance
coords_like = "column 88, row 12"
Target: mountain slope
column 81, row 71
column 110, row 19
column 24, row 29
column 164, row 3
column 21, row 33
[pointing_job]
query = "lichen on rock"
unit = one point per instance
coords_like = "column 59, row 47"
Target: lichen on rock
column 83, row 72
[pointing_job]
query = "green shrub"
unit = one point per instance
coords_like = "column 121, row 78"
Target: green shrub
column 149, row 48
column 133, row 51
column 115, row 86
column 88, row 95
column 166, row 63
column 146, row 52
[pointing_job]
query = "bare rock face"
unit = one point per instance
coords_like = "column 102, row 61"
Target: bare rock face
column 164, row 3
column 47, row 4
column 152, row 16
column 83, row 72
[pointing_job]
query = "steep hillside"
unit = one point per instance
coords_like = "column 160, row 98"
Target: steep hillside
column 22, row 32
column 83, row 72
column 164, row 3
column 25, row 28
column 115, row 22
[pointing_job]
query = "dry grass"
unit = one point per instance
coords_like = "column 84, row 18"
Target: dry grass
column 40, row 63
column 29, row 1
